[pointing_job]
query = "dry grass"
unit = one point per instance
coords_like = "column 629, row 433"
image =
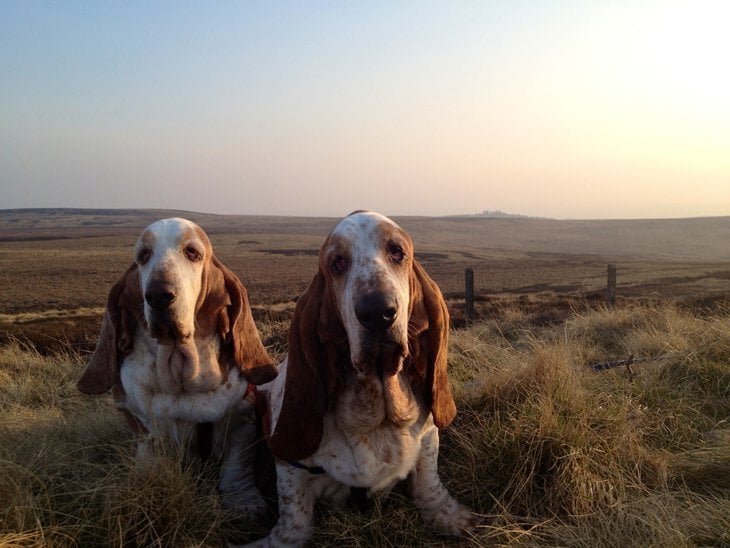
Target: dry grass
column 68, row 476
column 594, row 458
column 546, row 450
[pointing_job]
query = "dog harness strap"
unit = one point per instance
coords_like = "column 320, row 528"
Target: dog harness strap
column 311, row 469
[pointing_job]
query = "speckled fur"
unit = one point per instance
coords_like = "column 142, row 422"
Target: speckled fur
column 377, row 429
column 169, row 371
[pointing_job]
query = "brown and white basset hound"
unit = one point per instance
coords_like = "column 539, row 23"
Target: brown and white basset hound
column 180, row 349
column 364, row 390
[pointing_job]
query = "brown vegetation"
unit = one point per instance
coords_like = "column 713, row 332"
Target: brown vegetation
column 60, row 264
column 546, row 450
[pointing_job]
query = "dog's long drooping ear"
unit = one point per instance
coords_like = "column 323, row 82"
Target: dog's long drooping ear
column 299, row 427
column 239, row 330
column 430, row 342
column 124, row 311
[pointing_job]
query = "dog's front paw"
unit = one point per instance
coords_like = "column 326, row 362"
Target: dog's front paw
column 452, row 519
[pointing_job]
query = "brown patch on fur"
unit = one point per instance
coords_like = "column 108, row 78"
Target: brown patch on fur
column 318, row 352
column 124, row 312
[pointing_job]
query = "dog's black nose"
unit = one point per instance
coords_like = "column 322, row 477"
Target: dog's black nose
column 159, row 295
column 376, row 311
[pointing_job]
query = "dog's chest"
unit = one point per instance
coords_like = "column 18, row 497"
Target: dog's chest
column 138, row 369
column 361, row 447
column 139, row 377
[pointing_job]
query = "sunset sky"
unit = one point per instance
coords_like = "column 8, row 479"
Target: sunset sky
column 557, row 109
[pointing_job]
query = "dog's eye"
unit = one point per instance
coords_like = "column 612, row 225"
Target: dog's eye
column 339, row 265
column 396, row 253
column 192, row 253
column 143, row 256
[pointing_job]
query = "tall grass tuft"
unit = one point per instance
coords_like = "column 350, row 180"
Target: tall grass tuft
column 547, row 451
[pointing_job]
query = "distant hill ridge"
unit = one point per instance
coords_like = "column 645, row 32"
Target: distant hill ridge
column 69, row 211
column 497, row 214
column 705, row 239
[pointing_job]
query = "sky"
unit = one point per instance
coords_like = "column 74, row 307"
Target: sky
column 564, row 109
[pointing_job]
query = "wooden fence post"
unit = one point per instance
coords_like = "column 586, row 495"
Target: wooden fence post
column 611, row 286
column 469, row 294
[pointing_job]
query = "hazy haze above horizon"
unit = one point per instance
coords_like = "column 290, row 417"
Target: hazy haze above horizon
column 561, row 109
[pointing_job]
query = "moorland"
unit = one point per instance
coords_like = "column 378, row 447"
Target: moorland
column 546, row 450
column 56, row 266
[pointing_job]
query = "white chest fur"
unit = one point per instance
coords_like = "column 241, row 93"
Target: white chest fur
column 172, row 414
column 361, row 445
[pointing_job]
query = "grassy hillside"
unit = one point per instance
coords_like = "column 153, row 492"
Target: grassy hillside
column 546, row 450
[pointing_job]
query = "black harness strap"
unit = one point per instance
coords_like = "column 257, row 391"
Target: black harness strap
column 311, row 469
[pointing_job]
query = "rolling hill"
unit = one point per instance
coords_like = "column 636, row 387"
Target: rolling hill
column 691, row 239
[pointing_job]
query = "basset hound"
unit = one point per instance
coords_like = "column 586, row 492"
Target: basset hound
column 359, row 401
column 181, row 352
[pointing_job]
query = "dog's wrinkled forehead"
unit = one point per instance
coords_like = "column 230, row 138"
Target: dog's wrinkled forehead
column 365, row 229
column 172, row 234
